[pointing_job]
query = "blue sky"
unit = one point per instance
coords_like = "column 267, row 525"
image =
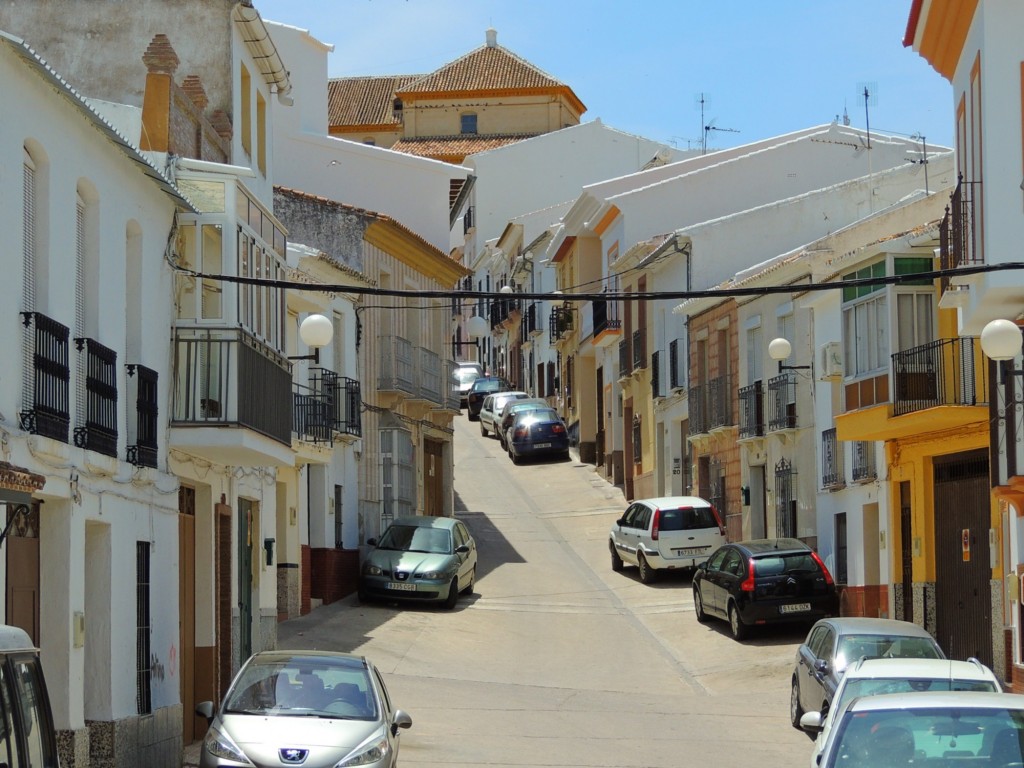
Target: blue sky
column 765, row 67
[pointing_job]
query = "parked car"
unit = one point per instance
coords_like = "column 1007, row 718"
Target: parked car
column 317, row 709
column 763, row 581
column 665, row 533
column 481, row 388
column 955, row 728
column 872, row 677
column 492, row 406
column 465, row 374
column 29, row 736
column 834, row 644
column 507, row 415
column 537, row 433
column 423, row 558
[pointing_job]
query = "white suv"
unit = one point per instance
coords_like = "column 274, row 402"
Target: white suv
column 869, row 677
column 665, row 533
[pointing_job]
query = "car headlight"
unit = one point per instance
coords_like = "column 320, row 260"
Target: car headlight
column 219, row 744
column 372, row 570
column 371, row 752
column 434, row 575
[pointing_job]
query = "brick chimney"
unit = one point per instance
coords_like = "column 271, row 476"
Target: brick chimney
column 161, row 62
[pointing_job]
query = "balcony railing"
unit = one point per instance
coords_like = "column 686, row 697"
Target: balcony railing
column 832, row 474
column 639, row 350
column 625, row 359
column 751, row 402
column 429, row 376
column 329, row 404
column 782, row 402
column 864, row 461
column 942, row 372
column 397, row 366
column 47, row 407
column 453, row 398
column 314, row 413
column 97, row 430
column 530, row 325
column 228, row 377
column 699, row 420
column 560, row 323
column 675, row 380
column 606, row 316
column 720, row 410
column 143, row 391
column 656, row 374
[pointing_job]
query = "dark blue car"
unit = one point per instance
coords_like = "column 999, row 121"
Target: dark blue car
column 537, row 433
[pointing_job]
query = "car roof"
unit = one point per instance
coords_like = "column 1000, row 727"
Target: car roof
column 662, row 502
column 281, row 656
column 15, row 639
column 929, row 699
column 425, row 521
column 866, row 625
column 763, row 546
column 527, row 402
column 531, row 413
column 933, row 669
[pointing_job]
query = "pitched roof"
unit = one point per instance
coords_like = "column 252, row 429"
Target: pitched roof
column 364, row 101
column 455, row 147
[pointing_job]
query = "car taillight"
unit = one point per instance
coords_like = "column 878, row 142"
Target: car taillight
column 748, row 583
column 557, row 429
column 824, row 570
column 718, row 519
column 656, row 525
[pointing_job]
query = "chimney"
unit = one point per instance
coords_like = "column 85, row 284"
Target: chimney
column 492, row 38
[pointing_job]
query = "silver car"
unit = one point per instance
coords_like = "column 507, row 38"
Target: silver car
column 316, row 709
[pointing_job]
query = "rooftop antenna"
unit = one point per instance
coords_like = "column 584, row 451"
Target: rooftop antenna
column 701, row 100
column 712, row 127
column 869, row 92
column 924, row 157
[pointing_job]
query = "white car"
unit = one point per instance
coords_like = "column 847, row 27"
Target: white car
column 952, row 728
column 872, row 677
column 665, row 533
column 490, row 411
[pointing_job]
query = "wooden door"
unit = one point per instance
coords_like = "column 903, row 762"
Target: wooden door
column 187, row 623
column 433, row 478
column 23, row 570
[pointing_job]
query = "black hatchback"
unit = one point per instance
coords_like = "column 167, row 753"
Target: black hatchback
column 764, row 581
column 482, row 387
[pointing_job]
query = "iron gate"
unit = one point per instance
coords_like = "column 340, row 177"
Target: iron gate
column 963, row 599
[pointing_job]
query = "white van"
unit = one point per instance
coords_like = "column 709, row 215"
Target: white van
column 665, row 533
column 27, row 733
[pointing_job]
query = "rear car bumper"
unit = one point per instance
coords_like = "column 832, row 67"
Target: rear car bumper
column 774, row 611
column 659, row 562
column 543, row 448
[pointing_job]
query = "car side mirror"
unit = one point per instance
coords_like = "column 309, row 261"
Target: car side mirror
column 811, row 722
column 205, row 709
column 401, row 720
column 821, row 666
column 371, row 542
column 619, row 521
column 462, row 549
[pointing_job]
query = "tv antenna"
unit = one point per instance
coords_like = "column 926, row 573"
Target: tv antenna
column 924, row 157
column 712, row 127
column 868, row 92
column 702, row 100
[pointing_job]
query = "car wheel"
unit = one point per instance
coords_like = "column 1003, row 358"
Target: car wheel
column 483, row 429
column 698, row 606
column 795, row 710
column 453, row 593
column 617, row 563
column 736, row 626
column 512, row 455
column 647, row 574
column 472, row 583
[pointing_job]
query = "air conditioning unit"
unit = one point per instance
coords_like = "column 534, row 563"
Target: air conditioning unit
column 830, row 361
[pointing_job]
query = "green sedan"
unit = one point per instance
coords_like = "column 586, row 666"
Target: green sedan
column 429, row 559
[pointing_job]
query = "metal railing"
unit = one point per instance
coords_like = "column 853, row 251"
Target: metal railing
column 639, row 350
column 453, row 397
column 47, row 407
column 625, row 359
column 863, row 461
column 782, row 402
column 832, row 473
column 675, row 381
column 143, row 452
column 329, row 404
column 719, row 407
column 606, row 316
column 941, row 372
column 397, row 366
column 560, row 322
column 530, row 325
column 751, row 404
column 656, row 374
column 699, row 419
column 97, row 430
column 429, row 376
column 229, row 377
column 785, row 499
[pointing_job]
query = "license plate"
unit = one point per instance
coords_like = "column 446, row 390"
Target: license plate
column 795, row 608
column 542, row 445
column 690, row 550
column 402, row 587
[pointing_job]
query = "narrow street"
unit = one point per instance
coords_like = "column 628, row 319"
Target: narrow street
column 556, row 660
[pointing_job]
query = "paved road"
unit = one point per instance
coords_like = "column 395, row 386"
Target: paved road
column 556, row 660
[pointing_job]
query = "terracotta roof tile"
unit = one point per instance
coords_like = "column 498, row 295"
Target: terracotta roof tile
column 364, row 100
column 454, row 146
column 488, row 68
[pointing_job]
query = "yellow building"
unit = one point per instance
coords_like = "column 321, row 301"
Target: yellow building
column 486, row 99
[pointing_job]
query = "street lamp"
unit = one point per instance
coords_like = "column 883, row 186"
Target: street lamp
column 779, row 349
column 315, row 331
column 476, row 327
column 1001, row 340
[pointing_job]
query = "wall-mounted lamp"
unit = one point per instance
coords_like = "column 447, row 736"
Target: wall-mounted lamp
column 1001, row 340
column 315, row 331
column 509, row 288
column 779, row 349
column 477, row 327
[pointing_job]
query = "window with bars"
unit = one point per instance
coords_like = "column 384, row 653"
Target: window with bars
column 864, row 461
column 338, row 499
column 841, row 549
column 142, row 450
column 785, row 499
column 656, row 374
column 637, row 439
column 143, row 628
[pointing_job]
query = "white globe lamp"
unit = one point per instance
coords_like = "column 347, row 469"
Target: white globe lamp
column 779, row 349
column 315, row 331
column 476, row 327
column 1001, row 340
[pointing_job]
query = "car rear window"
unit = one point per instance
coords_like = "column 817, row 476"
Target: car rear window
column 785, row 564
column 853, row 647
column 871, row 686
column 687, row 519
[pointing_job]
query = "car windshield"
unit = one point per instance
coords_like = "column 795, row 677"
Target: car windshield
column 417, row 538
column 989, row 736
column 467, row 374
column 853, row 647
column 872, row 686
column 785, row 565
column 304, row 687
column 488, row 385
column 687, row 519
